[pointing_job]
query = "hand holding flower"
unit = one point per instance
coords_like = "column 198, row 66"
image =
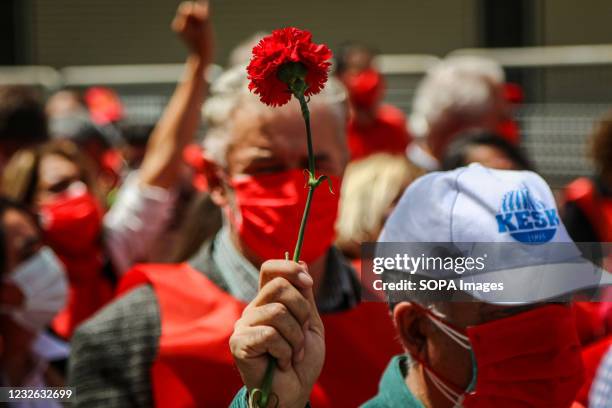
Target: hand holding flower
column 288, row 63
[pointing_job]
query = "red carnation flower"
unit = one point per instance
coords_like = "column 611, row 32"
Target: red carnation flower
column 287, row 47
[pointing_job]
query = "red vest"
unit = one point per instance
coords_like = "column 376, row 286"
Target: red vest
column 598, row 210
column 194, row 366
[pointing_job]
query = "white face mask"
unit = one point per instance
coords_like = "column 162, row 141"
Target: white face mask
column 42, row 280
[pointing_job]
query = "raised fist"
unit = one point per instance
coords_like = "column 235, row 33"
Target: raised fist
column 193, row 24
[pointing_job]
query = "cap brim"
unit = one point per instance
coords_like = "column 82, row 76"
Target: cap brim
column 537, row 283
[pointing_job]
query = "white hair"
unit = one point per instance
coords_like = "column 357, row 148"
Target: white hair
column 462, row 87
column 230, row 91
column 473, row 65
column 241, row 54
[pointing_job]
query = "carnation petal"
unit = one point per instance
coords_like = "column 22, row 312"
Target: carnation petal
column 288, row 44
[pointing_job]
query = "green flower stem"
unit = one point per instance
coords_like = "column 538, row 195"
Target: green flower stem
column 260, row 397
column 313, row 183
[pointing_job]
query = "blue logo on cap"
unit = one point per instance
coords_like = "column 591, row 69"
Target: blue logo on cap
column 526, row 220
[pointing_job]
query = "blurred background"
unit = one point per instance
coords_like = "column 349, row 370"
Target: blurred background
column 558, row 51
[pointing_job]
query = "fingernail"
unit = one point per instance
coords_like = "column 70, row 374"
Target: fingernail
column 299, row 357
column 304, row 279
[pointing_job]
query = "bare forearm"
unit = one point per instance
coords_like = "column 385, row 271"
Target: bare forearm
column 175, row 129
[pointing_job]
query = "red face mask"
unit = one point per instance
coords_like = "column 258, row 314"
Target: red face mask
column 365, row 88
column 529, row 360
column 270, row 209
column 72, row 223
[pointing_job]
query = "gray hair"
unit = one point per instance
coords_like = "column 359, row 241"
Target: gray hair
column 231, row 91
column 462, row 86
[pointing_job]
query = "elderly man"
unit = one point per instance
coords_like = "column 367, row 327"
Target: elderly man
column 456, row 95
column 164, row 342
column 507, row 349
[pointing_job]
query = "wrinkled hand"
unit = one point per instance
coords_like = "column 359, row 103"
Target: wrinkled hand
column 193, row 24
column 281, row 321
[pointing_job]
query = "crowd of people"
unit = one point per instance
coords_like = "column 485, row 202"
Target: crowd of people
column 144, row 264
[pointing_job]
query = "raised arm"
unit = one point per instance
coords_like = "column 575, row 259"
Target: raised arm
column 179, row 122
column 144, row 205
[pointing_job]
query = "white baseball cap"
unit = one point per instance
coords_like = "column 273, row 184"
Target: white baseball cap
column 509, row 215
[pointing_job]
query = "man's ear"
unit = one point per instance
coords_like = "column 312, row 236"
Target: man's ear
column 215, row 178
column 411, row 324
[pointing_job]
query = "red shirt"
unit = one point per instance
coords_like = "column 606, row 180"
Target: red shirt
column 388, row 133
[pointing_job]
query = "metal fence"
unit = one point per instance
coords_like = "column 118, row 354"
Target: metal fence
column 566, row 90
column 556, row 138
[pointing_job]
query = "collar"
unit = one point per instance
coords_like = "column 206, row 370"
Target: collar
column 392, row 389
column 241, row 277
column 340, row 290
